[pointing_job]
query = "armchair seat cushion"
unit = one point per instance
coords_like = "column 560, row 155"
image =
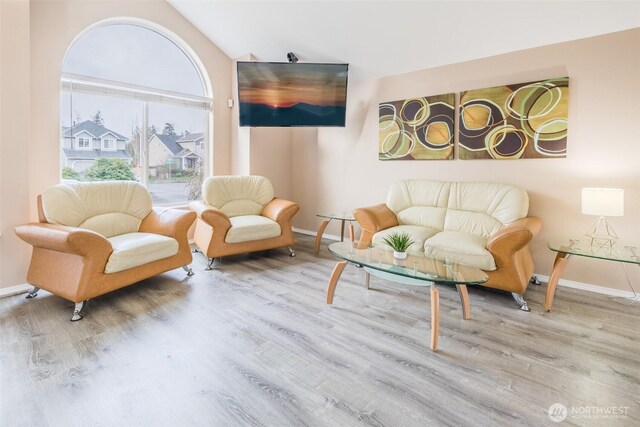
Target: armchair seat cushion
column 462, row 248
column 417, row 232
column 246, row 228
column 135, row 249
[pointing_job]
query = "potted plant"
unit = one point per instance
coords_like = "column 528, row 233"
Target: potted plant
column 399, row 242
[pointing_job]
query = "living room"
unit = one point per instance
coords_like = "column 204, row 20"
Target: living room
column 253, row 341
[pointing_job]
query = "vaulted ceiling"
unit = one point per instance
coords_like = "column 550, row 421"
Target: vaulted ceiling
column 379, row 38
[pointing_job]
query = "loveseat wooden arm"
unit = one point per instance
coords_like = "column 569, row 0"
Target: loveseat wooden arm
column 534, row 224
column 505, row 243
column 168, row 222
column 373, row 219
column 61, row 238
column 280, row 210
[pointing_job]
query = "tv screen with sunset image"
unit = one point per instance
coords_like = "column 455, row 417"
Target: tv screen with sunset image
column 287, row 94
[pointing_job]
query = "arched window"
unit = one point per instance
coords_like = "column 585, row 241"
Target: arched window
column 134, row 105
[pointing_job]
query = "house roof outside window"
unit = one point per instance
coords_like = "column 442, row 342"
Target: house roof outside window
column 92, row 128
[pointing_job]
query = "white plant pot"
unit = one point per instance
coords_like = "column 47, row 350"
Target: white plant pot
column 399, row 255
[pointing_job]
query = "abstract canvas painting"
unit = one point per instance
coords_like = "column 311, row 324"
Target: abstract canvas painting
column 417, row 128
column 519, row 121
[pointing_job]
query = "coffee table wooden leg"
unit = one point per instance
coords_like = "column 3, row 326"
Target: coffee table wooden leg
column 435, row 316
column 464, row 300
column 333, row 280
column 352, row 233
column 562, row 259
column 320, row 233
column 342, row 230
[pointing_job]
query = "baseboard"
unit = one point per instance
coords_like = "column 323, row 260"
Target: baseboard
column 562, row 282
column 14, row 290
column 24, row 288
column 588, row 287
column 313, row 233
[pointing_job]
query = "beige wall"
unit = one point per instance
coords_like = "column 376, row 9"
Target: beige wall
column 34, row 41
column 339, row 169
column 271, row 156
column 14, row 138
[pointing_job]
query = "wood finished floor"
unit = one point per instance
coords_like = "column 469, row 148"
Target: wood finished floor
column 253, row 343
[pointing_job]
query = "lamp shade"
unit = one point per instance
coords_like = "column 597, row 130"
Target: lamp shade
column 603, row 201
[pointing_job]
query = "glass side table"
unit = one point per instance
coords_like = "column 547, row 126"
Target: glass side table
column 343, row 218
column 566, row 248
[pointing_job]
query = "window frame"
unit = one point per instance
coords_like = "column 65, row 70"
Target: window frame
column 86, row 84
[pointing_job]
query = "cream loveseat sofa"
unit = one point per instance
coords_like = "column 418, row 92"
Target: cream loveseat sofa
column 240, row 214
column 483, row 225
column 95, row 237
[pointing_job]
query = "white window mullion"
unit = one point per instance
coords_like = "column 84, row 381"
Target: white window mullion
column 95, row 86
column 144, row 144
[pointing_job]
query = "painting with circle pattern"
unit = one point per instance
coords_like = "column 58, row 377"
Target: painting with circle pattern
column 417, row 128
column 519, row 121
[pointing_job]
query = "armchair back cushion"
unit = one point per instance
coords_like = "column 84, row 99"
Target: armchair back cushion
column 109, row 208
column 238, row 195
column 481, row 209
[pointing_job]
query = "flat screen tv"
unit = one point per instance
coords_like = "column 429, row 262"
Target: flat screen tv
column 284, row 94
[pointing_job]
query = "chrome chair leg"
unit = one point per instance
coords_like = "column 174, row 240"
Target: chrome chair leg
column 188, row 270
column 33, row 292
column 195, row 250
column 210, row 264
column 76, row 311
column 521, row 301
column 291, row 252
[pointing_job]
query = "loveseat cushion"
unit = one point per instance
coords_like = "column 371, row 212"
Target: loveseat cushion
column 109, row 208
column 247, row 228
column 238, row 195
column 419, row 202
column 134, row 249
column 417, row 233
column 462, row 248
column 483, row 208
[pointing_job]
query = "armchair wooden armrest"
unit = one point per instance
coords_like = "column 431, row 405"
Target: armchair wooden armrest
column 212, row 216
column 168, row 222
column 373, row 219
column 280, row 210
column 60, row 238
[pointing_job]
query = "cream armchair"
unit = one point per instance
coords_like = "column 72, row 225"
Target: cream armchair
column 240, row 214
column 96, row 237
column 482, row 225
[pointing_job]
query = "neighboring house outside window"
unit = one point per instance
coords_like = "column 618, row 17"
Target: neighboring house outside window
column 82, row 156
column 174, row 152
column 108, row 144
column 84, row 143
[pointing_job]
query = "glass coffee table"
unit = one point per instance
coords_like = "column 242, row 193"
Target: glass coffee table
column 416, row 270
column 343, row 218
column 566, row 248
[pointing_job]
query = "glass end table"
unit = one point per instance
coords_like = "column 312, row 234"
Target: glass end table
column 416, row 270
column 585, row 247
column 343, row 217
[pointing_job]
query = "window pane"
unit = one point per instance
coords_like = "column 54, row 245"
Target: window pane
column 132, row 54
column 176, row 153
column 98, row 136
